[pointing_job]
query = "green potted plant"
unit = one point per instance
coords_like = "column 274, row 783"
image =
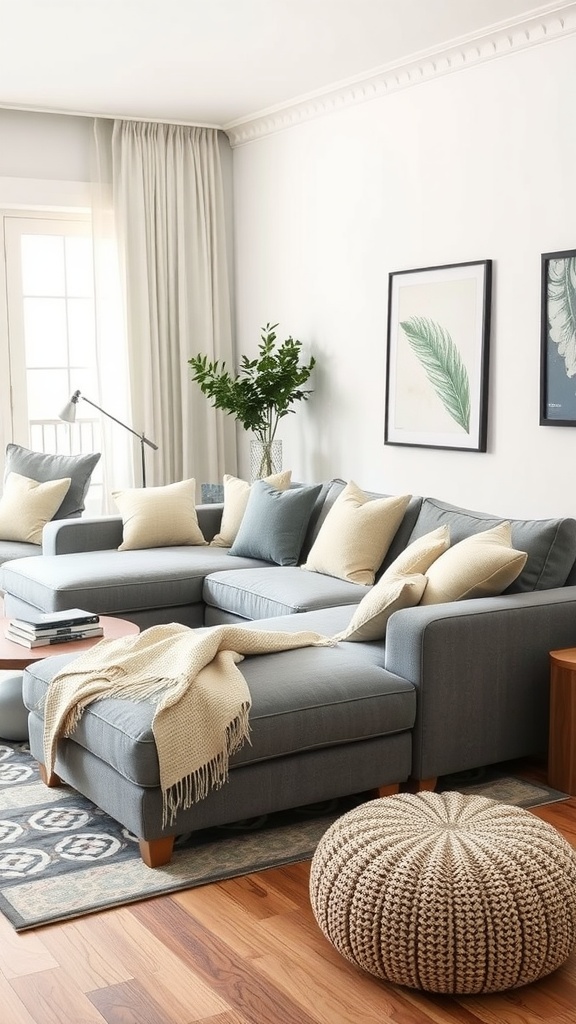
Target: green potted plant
column 260, row 394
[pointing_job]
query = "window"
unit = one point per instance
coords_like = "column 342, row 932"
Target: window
column 51, row 335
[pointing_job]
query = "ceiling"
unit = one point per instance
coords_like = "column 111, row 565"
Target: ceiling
column 216, row 62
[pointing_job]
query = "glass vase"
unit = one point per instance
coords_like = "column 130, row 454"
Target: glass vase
column 265, row 458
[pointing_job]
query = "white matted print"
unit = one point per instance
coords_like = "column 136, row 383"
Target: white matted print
column 437, row 357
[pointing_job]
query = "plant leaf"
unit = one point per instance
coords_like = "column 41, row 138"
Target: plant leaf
column 443, row 364
column 562, row 309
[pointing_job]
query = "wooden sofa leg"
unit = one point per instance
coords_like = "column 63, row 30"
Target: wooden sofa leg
column 422, row 785
column 156, row 852
column 387, row 790
column 52, row 780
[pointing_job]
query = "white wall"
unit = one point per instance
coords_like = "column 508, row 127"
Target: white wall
column 474, row 165
column 44, row 146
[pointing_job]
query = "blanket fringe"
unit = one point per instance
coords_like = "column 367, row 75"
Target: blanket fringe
column 196, row 786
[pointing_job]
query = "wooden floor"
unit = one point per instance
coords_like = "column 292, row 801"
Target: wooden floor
column 247, row 951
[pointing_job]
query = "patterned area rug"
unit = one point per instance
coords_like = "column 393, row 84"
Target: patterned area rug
column 62, row 857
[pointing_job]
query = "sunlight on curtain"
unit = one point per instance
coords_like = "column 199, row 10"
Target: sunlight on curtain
column 169, row 213
column 120, row 452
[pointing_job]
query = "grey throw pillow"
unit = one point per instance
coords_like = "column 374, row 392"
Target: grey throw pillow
column 41, row 466
column 275, row 522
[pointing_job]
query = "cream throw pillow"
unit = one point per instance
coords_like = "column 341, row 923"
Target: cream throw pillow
column 356, row 535
column 420, row 554
column 26, row 506
column 479, row 566
column 236, row 494
column 388, row 595
column 158, row 517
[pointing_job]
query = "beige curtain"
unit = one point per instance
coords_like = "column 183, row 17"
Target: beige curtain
column 167, row 199
column 120, row 466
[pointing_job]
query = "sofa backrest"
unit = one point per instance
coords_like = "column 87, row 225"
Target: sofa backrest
column 330, row 491
column 549, row 543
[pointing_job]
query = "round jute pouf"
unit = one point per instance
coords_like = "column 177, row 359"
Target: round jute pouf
column 446, row 893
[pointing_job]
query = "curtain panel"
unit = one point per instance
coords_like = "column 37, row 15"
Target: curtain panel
column 168, row 208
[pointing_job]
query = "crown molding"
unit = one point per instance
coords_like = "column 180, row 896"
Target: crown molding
column 545, row 24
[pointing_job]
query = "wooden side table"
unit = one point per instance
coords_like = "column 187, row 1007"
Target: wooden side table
column 562, row 736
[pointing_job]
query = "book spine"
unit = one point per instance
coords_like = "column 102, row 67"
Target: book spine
column 34, row 634
column 48, row 641
column 34, row 628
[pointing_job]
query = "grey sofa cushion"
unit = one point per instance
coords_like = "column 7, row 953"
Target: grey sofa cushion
column 10, row 549
column 275, row 522
column 114, row 582
column 277, row 590
column 549, row 543
column 306, row 699
column 41, row 466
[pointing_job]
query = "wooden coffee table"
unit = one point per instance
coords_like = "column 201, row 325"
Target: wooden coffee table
column 15, row 656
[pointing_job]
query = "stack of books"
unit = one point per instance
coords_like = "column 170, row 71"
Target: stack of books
column 54, row 628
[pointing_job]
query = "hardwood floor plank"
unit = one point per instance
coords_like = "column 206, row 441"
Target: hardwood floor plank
column 326, row 996
column 258, row 896
column 120, row 934
column 189, row 997
column 12, row 1009
column 51, row 998
column 237, row 983
column 130, row 1003
column 214, row 907
column 293, row 880
column 231, row 1017
column 23, row 953
column 440, row 1008
column 92, row 965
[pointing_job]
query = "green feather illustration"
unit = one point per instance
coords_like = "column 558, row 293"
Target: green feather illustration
column 562, row 310
column 443, row 364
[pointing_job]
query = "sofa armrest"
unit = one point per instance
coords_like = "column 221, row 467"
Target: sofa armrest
column 65, row 536
column 481, row 669
column 209, row 518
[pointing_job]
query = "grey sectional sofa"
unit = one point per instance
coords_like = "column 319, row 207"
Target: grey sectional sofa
column 452, row 687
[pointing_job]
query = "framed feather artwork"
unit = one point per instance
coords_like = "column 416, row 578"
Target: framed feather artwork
column 438, row 356
column 558, row 339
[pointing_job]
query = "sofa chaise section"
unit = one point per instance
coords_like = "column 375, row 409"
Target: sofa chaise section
column 324, row 722
column 148, row 586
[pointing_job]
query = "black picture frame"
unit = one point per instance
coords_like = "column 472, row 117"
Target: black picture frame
column 437, row 359
column 558, row 339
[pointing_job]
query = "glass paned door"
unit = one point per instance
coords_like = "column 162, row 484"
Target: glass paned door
column 51, row 334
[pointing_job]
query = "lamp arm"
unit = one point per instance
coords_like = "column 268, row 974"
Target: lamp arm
column 142, row 437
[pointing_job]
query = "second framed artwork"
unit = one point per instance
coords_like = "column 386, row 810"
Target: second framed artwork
column 438, row 356
column 558, row 339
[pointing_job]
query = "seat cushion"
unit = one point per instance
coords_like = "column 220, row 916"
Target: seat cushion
column 549, row 543
column 302, row 700
column 260, row 593
column 114, row 582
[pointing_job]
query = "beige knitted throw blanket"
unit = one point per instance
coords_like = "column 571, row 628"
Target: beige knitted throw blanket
column 201, row 698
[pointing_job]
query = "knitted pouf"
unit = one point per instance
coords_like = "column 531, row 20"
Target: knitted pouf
column 446, row 892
